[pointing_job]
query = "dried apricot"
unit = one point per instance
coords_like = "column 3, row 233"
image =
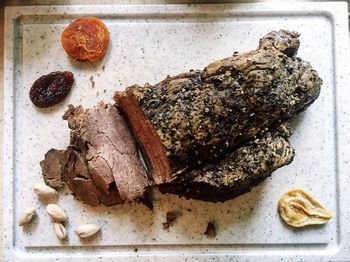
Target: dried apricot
column 85, row 39
column 51, row 89
column 298, row 209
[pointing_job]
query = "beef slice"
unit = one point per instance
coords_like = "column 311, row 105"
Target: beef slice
column 104, row 137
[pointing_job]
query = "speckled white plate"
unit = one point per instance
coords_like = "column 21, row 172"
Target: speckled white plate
column 147, row 43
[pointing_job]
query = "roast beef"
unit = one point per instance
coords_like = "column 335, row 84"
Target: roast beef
column 104, row 137
column 70, row 166
column 201, row 116
column 101, row 165
column 237, row 172
column 208, row 134
column 53, row 167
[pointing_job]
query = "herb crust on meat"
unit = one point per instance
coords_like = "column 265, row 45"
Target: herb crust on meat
column 202, row 115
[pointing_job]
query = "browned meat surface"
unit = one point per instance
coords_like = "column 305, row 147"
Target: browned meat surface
column 201, row 116
column 236, row 173
column 149, row 142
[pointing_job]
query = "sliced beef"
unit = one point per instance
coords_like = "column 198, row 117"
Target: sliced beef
column 149, row 141
column 102, row 164
column 201, row 116
column 103, row 136
column 53, row 167
column 70, row 166
column 80, row 182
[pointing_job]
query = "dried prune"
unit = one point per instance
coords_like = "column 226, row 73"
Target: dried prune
column 51, row 89
column 85, row 39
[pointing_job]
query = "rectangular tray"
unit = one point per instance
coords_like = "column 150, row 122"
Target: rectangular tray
column 147, row 43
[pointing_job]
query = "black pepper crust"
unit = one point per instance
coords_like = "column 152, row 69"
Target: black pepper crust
column 202, row 115
column 237, row 173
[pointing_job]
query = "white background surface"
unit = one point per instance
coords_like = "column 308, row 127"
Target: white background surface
column 318, row 117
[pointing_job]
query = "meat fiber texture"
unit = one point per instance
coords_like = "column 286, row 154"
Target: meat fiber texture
column 101, row 165
column 208, row 134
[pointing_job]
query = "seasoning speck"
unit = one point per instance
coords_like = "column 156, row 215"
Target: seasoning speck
column 92, row 81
